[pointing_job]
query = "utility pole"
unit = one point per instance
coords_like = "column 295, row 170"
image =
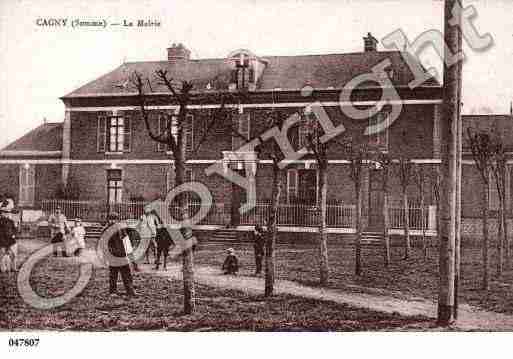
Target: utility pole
column 450, row 141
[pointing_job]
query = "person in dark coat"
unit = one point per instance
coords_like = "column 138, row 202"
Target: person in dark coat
column 258, row 246
column 8, row 238
column 231, row 263
column 117, row 249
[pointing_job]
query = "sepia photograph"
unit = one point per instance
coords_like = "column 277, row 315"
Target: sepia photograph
column 255, row 166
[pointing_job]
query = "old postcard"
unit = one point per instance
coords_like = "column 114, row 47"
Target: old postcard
column 255, row 166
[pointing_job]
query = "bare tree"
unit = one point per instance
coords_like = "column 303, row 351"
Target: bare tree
column 271, row 150
column 319, row 150
column 483, row 152
column 498, row 168
column 405, row 175
column 419, row 178
column 357, row 161
column 437, row 188
column 385, row 164
column 180, row 93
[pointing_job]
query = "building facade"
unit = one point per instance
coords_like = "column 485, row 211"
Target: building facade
column 102, row 151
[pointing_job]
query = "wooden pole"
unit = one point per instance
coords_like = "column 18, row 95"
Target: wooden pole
column 459, row 125
column 451, row 102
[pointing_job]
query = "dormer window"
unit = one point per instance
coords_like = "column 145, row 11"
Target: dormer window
column 246, row 68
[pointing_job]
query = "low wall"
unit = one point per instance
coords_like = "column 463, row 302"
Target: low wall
column 473, row 227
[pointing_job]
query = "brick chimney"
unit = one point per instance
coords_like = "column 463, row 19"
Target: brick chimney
column 178, row 52
column 370, row 43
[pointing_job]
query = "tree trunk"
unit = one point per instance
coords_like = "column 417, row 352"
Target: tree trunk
column 505, row 241
column 188, row 255
column 423, row 225
column 386, row 237
column 272, row 229
column 486, row 271
column 406, row 225
column 358, row 237
column 500, row 237
column 323, row 235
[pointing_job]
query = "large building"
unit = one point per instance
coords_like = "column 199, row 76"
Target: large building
column 102, row 151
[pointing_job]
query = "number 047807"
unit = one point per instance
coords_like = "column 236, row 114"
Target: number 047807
column 23, row 342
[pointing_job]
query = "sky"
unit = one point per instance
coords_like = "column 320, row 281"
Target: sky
column 38, row 64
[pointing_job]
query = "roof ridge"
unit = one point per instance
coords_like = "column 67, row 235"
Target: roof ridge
column 269, row 56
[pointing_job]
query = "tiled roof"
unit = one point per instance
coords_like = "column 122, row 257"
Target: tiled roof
column 47, row 137
column 284, row 72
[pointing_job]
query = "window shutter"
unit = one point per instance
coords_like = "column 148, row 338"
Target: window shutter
column 235, row 127
column 170, row 178
column 127, row 146
column 31, row 184
column 23, row 184
column 189, row 133
column 161, row 129
column 233, row 78
column 101, row 134
column 291, row 185
column 251, row 75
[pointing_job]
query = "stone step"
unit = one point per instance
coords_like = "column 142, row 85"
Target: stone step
column 371, row 238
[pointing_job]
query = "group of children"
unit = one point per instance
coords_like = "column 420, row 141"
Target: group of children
column 68, row 240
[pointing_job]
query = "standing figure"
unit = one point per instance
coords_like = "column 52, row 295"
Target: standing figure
column 58, row 226
column 147, row 228
column 118, row 252
column 231, row 263
column 8, row 245
column 258, row 246
column 78, row 234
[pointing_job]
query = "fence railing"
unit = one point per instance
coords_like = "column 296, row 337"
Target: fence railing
column 301, row 215
column 417, row 217
column 337, row 216
column 93, row 211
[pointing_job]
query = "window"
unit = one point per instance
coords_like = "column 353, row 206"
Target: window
column 242, row 126
column 378, row 125
column 308, row 125
column 302, row 186
column 188, row 131
column 242, row 74
column 27, row 185
column 114, row 186
column 114, row 134
column 307, row 186
column 291, row 186
column 162, row 129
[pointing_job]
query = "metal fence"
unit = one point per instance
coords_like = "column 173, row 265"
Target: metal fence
column 93, row 211
column 341, row 216
column 217, row 213
column 417, row 217
column 338, row 216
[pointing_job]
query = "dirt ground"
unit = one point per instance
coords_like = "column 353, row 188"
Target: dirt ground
column 159, row 303
column 415, row 277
